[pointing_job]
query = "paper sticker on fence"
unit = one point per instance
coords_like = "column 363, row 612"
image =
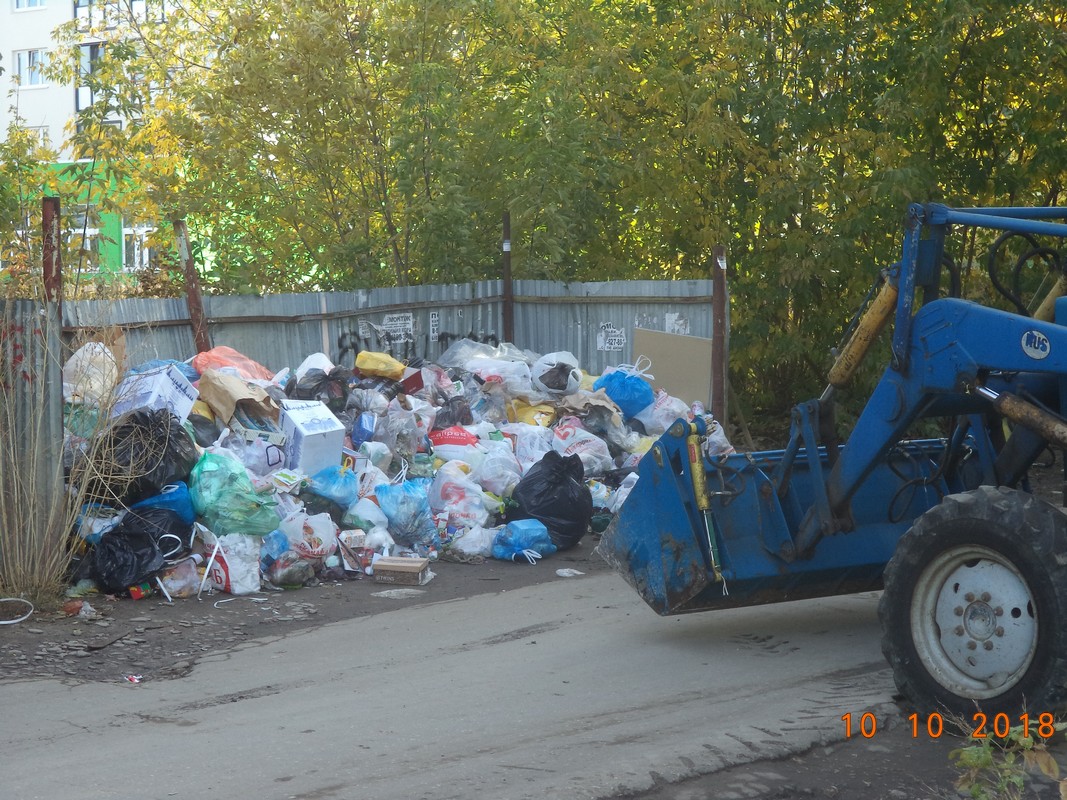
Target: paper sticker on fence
column 676, row 323
column 393, row 329
column 610, row 338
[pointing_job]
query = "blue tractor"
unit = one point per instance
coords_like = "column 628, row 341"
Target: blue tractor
column 973, row 565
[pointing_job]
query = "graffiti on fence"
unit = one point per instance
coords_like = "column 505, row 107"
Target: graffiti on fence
column 403, row 344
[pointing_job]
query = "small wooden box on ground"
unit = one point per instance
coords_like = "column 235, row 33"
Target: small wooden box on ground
column 406, row 571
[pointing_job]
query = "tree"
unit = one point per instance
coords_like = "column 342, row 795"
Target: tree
column 344, row 143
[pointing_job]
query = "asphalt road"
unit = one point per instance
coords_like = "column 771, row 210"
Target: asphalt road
column 568, row 689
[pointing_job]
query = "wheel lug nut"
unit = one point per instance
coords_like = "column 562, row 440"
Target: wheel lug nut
column 988, row 645
column 958, row 610
column 972, row 645
column 999, row 631
column 985, row 597
column 969, row 597
column 959, row 630
column 998, row 611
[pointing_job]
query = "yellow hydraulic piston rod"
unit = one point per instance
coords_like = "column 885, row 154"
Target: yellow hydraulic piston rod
column 1045, row 310
column 868, row 329
column 1027, row 414
column 700, row 490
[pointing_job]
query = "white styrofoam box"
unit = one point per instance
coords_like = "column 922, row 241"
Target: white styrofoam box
column 161, row 388
column 313, row 436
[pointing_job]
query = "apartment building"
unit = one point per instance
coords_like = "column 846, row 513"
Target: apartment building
column 31, row 100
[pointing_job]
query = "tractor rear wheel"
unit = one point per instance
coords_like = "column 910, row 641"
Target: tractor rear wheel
column 974, row 612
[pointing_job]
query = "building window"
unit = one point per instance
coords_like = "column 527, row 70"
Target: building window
column 24, row 4
column 83, row 93
column 137, row 254
column 29, row 66
column 111, row 13
column 41, row 134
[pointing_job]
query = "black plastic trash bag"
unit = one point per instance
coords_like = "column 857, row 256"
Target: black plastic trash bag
column 125, row 556
column 205, row 430
column 331, row 388
column 165, row 526
column 553, row 491
column 453, row 411
column 139, row 454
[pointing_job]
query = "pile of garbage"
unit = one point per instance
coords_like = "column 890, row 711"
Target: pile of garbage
column 217, row 474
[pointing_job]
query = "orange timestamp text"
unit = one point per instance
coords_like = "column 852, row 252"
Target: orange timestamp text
column 932, row 726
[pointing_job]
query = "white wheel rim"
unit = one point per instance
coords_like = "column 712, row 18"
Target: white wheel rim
column 974, row 622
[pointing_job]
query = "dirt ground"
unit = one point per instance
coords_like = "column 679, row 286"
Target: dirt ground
column 151, row 640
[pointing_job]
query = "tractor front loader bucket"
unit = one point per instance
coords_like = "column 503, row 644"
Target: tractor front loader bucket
column 736, row 545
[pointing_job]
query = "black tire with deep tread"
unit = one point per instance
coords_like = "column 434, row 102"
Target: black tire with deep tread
column 1023, row 529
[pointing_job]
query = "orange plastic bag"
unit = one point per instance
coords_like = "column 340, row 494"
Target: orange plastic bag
column 222, row 356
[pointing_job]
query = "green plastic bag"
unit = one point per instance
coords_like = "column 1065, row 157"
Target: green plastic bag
column 225, row 500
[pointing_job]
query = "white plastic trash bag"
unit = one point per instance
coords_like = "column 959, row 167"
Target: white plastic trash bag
column 514, row 375
column 314, row 361
column 232, row 561
column 570, row 438
column 454, row 493
column 477, row 541
column 499, row 471
column 312, row 537
column 661, row 413
column 715, row 443
column 366, row 514
column 90, row 374
column 531, row 442
column 458, row 444
column 556, row 374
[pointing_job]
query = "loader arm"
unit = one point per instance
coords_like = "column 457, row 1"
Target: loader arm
column 955, row 346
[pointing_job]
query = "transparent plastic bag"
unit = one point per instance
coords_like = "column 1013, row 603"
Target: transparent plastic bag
column 223, row 496
column 454, row 493
column 407, row 506
column 556, row 374
column 661, row 413
column 336, row 483
column 570, row 438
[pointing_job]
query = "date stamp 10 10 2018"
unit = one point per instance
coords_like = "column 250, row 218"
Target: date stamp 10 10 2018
column 980, row 726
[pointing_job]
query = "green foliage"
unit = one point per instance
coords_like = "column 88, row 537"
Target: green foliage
column 325, row 145
column 999, row 768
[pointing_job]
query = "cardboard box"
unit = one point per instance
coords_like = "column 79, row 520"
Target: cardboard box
column 251, row 426
column 314, row 436
column 163, row 388
column 411, row 381
column 406, row 571
column 681, row 364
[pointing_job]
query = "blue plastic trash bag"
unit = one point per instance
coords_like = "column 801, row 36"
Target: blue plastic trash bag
column 336, row 483
column 523, row 540
column 174, row 496
column 627, row 388
column 407, row 507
